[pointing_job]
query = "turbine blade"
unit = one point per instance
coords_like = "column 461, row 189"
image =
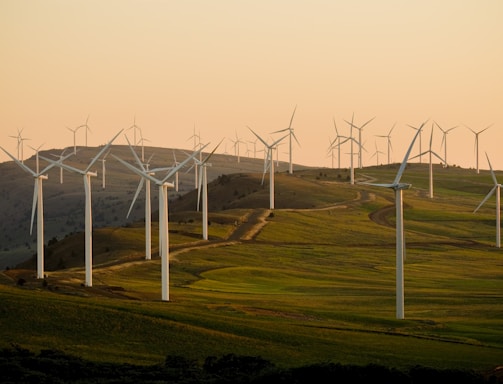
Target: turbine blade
column 139, row 172
column 175, row 169
column 406, row 157
column 486, row 198
column 24, row 167
column 103, row 150
column 492, row 172
column 291, row 119
column 138, row 189
column 34, row 204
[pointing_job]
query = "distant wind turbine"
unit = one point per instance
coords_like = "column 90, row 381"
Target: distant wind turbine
column 202, row 191
column 269, row 163
column 87, row 173
column 20, row 139
column 86, row 126
column 291, row 134
column 444, row 140
column 353, row 140
column 388, row 138
column 338, row 144
column 163, row 213
column 38, row 203
column 400, row 247
column 420, row 144
column 74, row 131
column 430, row 152
column 376, row 154
column 477, row 144
column 496, row 190
column 135, row 128
column 360, row 129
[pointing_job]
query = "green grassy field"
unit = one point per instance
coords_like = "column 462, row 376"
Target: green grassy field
column 316, row 284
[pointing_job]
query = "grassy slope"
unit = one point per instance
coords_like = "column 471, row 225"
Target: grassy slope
column 314, row 285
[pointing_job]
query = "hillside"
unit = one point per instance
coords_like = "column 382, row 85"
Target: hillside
column 64, row 202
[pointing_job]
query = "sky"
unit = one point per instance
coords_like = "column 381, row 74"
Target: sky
column 218, row 67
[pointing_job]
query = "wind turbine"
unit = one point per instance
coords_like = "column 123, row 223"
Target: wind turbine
column 420, row 144
column 360, row 129
column 430, row 152
column 376, row 154
column 74, row 138
column 269, row 163
column 60, row 156
column 36, row 156
column 163, row 213
column 148, row 210
column 388, row 137
column 353, row 140
column 86, row 126
column 477, row 144
column 203, row 190
column 444, row 140
column 38, row 203
column 236, row 145
column 135, row 128
column 87, row 173
column 291, row 134
column 338, row 145
column 496, row 190
column 103, row 169
column 400, row 248
column 20, row 139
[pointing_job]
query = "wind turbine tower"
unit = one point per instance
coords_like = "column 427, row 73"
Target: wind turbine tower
column 398, row 187
column 269, row 163
column 291, row 134
column 444, row 140
column 87, row 174
column 477, row 145
column 38, row 204
column 431, row 153
column 163, row 213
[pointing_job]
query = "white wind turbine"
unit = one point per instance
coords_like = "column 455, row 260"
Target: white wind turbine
column 376, row 154
column 388, row 137
column 420, row 144
column 103, row 169
column 203, row 190
column 360, row 129
column 163, row 213
column 496, row 190
column 148, row 211
column 400, row 247
column 339, row 144
column 237, row 143
column 86, row 127
column 444, row 140
column 60, row 156
column 353, row 140
column 135, row 128
column 87, row 173
column 74, row 131
column 20, row 139
column 38, row 203
column 431, row 153
column 291, row 134
column 36, row 156
column 269, row 163
column 477, row 144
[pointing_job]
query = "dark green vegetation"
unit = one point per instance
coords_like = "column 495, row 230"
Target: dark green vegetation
column 314, row 286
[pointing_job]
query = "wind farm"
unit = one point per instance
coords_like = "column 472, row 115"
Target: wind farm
column 287, row 276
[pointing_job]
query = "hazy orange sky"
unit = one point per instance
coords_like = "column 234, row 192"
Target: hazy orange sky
column 223, row 65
